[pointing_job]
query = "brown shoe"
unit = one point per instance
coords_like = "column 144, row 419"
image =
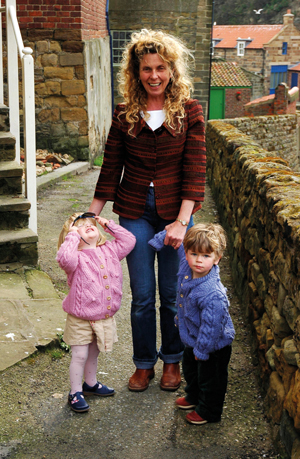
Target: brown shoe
column 171, row 378
column 140, row 379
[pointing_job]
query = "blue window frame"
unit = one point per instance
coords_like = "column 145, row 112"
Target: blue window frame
column 284, row 47
column 278, row 75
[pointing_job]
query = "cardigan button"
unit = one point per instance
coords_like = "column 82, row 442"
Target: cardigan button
column 105, row 277
column 186, row 277
column 108, row 298
column 101, row 266
column 181, row 295
column 108, row 307
column 107, row 287
column 180, row 305
column 106, row 316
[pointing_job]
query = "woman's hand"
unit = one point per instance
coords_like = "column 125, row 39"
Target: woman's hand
column 175, row 234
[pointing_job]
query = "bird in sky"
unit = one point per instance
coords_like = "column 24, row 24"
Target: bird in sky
column 258, row 11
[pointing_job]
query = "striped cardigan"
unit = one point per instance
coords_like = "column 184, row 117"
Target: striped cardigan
column 175, row 163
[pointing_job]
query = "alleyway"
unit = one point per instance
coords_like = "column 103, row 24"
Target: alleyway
column 37, row 423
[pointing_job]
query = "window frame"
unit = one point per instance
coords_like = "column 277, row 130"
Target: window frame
column 241, row 45
column 118, row 44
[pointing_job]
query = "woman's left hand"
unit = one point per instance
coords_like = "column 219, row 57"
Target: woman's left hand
column 175, row 234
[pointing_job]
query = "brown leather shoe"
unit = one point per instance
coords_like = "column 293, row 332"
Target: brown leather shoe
column 140, row 379
column 171, row 378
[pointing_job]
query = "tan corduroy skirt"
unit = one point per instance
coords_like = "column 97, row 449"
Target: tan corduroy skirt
column 79, row 332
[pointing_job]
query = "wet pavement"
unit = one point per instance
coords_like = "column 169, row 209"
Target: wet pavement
column 36, row 421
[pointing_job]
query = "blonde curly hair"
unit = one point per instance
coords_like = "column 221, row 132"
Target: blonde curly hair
column 172, row 51
column 69, row 221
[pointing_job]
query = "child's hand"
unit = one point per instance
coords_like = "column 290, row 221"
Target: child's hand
column 73, row 229
column 102, row 221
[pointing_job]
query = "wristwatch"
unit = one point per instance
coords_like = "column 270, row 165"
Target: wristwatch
column 183, row 222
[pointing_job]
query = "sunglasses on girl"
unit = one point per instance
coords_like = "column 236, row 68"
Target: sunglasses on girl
column 89, row 215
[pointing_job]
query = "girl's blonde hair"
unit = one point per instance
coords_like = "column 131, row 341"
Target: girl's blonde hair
column 69, row 221
column 177, row 93
column 205, row 238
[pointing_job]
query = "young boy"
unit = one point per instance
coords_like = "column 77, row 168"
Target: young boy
column 205, row 326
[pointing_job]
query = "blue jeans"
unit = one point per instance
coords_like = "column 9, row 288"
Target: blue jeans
column 143, row 286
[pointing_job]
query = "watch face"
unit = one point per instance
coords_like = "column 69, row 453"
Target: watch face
column 183, row 222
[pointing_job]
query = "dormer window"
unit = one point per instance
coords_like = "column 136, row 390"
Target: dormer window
column 241, row 48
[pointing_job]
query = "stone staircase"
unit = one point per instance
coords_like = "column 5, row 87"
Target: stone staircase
column 18, row 244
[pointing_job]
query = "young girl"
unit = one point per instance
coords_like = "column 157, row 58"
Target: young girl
column 94, row 272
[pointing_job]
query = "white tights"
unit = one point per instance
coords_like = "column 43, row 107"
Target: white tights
column 84, row 362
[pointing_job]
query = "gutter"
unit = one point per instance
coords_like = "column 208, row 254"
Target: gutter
column 111, row 57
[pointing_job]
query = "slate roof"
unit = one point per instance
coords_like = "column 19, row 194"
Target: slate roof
column 228, row 74
column 258, row 34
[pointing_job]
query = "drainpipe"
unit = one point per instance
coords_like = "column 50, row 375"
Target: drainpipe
column 210, row 57
column 111, row 57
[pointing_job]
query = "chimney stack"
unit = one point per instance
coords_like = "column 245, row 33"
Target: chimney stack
column 288, row 18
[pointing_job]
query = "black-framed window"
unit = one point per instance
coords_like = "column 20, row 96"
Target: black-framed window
column 119, row 40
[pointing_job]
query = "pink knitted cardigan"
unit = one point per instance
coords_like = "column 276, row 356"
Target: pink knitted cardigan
column 94, row 275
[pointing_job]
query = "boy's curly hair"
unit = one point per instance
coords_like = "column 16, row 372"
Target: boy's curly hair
column 177, row 93
column 205, row 238
column 69, row 221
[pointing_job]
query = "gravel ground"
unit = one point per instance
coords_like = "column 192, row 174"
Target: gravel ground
column 37, row 423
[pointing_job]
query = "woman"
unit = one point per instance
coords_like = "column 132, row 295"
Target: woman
column 154, row 172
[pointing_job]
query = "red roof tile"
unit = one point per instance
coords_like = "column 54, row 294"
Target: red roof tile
column 228, row 74
column 295, row 68
column 259, row 34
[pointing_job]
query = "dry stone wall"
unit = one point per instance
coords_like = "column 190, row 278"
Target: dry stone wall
column 277, row 134
column 258, row 198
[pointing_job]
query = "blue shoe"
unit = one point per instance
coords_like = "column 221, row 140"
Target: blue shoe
column 77, row 402
column 98, row 389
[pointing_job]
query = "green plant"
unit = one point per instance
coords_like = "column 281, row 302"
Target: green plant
column 65, row 347
column 98, row 161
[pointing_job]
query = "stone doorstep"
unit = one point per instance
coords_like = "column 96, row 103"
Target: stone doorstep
column 24, row 235
column 14, row 204
column 10, row 169
column 6, row 138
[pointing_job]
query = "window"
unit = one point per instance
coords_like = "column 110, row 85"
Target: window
column 284, row 47
column 241, row 48
column 278, row 75
column 119, row 40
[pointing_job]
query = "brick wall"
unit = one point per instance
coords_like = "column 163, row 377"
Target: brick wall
column 282, row 102
column 257, row 196
column 191, row 21
column 85, row 15
column 235, row 99
column 253, row 60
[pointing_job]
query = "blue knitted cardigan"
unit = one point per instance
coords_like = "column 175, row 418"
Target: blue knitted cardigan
column 202, row 307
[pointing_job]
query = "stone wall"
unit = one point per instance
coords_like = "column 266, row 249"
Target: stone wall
column 258, row 196
column 190, row 21
column 277, row 134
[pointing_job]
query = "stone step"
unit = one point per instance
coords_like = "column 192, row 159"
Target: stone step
column 14, row 212
column 7, row 146
column 4, row 118
column 18, row 246
column 10, row 177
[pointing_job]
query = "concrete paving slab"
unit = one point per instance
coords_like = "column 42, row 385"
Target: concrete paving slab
column 12, row 286
column 40, row 284
column 47, row 318
column 12, row 353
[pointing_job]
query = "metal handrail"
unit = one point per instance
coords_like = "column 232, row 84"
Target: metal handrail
column 14, row 45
